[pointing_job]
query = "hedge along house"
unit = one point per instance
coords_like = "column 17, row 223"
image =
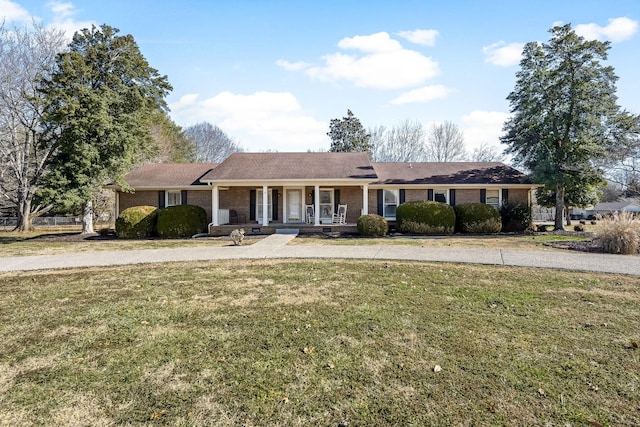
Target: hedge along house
column 266, row 191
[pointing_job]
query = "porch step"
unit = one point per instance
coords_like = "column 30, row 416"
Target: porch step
column 295, row 231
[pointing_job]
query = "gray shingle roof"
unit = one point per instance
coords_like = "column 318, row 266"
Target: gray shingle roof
column 321, row 166
column 448, row 173
column 270, row 166
column 168, row 174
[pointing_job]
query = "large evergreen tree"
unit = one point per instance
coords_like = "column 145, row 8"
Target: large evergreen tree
column 348, row 134
column 565, row 116
column 99, row 103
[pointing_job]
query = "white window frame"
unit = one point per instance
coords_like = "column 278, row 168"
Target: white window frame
column 259, row 204
column 444, row 192
column 496, row 204
column 172, row 194
column 385, row 204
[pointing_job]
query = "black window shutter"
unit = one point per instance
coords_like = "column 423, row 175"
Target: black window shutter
column 183, row 197
column 161, row 199
column 402, row 196
column 452, row 197
column 430, row 194
column 483, row 196
column 252, row 205
column 505, row 194
column 336, row 199
column 380, row 202
column 274, row 205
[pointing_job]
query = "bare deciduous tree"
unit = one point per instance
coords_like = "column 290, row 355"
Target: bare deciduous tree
column 212, row 144
column 26, row 54
column 445, row 143
column 404, row 142
column 486, row 153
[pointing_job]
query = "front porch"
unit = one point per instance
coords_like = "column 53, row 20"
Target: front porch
column 253, row 229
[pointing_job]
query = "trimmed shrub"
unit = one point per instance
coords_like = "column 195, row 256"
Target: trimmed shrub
column 619, row 234
column 181, row 221
column 137, row 222
column 425, row 218
column 372, row 225
column 477, row 218
column 516, row 217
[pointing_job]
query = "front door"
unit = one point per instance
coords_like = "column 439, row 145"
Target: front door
column 294, row 206
column 326, row 206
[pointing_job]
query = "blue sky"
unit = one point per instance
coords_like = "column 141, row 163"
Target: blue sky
column 272, row 74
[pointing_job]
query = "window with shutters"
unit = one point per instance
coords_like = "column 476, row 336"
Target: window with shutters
column 440, row 196
column 390, row 203
column 493, row 198
column 173, row 198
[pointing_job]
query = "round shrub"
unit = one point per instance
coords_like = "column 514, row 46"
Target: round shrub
column 516, row 217
column 425, row 218
column 137, row 222
column 181, row 221
column 372, row 225
column 477, row 218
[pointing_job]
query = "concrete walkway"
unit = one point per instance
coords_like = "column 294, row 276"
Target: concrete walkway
column 275, row 246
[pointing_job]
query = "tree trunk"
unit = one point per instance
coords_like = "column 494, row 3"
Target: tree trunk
column 568, row 217
column 24, row 223
column 87, row 217
column 559, row 207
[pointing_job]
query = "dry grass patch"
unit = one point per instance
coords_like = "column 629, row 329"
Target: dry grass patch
column 53, row 243
column 318, row 343
column 523, row 242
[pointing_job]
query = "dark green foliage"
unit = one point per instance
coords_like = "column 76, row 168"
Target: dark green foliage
column 426, row 218
column 516, row 217
column 565, row 116
column 348, row 134
column 137, row 222
column 477, row 218
column 372, row 225
column 98, row 105
column 181, row 221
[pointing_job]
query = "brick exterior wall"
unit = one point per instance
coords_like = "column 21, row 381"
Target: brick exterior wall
column 467, row 196
column 200, row 198
column 519, row 196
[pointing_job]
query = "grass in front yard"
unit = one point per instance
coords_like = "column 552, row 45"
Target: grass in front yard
column 301, row 343
column 59, row 242
column 498, row 241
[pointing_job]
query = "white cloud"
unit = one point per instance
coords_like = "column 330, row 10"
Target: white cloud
column 11, row 12
column 503, row 54
column 422, row 37
column 423, row 94
column 63, row 13
column 292, row 66
column 483, row 126
column 382, row 64
column 619, row 29
column 260, row 121
column 374, row 43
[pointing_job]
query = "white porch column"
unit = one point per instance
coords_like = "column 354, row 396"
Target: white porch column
column 365, row 200
column 316, row 205
column 265, row 205
column 215, row 205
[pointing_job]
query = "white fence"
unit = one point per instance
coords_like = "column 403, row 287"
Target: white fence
column 47, row 221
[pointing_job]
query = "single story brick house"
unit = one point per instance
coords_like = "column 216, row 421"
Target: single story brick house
column 263, row 191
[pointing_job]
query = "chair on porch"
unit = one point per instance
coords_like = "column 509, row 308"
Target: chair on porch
column 310, row 214
column 340, row 217
column 235, row 218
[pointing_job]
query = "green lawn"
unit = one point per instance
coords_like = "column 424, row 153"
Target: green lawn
column 298, row 343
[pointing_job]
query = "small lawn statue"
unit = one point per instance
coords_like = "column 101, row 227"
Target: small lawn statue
column 237, row 236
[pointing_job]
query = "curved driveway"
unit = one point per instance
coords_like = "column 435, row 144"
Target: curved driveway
column 275, row 246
